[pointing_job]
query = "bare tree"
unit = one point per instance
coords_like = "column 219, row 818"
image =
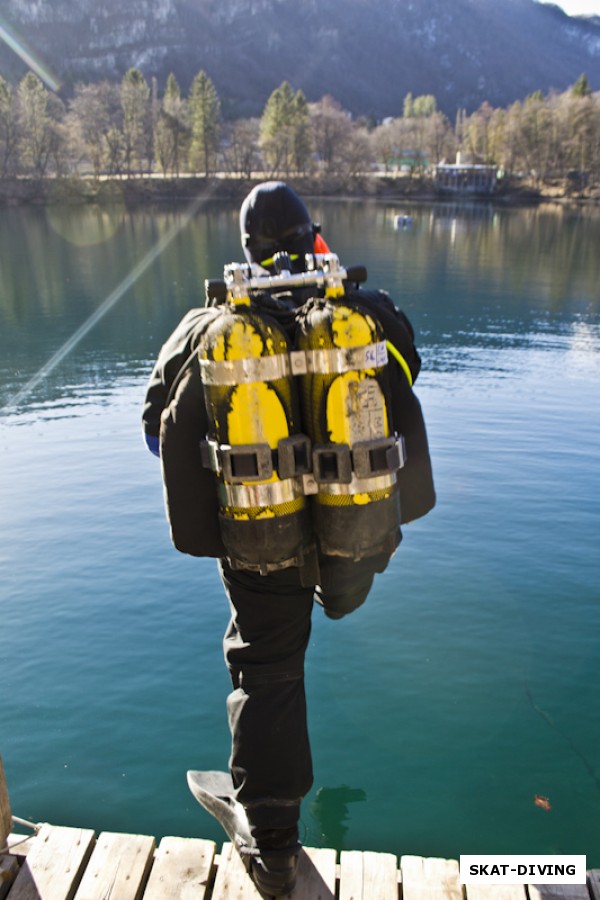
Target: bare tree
column 241, row 152
column 439, row 140
column 9, row 130
column 93, row 111
column 39, row 113
column 331, row 130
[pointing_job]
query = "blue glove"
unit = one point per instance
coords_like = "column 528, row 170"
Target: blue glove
column 153, row 444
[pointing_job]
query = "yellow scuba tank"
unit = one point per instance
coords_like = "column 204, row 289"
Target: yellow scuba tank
column 356, row 507
column 254, row 445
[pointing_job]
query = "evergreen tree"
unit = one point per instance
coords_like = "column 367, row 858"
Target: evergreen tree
column 536, row 96
column 581, row 88
column 424, row 106
column 135, row 103
column 205, row 123
column 302, row 138
column 170, row 129
column 285, row 130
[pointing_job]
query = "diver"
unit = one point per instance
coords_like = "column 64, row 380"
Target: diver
column 292, row 448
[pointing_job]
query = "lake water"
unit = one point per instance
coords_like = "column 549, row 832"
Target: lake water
column 469, row 682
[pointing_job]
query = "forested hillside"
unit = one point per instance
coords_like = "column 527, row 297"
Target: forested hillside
column 368, row 54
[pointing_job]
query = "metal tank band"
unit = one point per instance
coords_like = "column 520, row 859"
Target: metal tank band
column 245, row 371
column 336, row 360
column 253, row 496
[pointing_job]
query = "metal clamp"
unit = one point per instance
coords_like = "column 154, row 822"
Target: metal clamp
column 294, row 456
column 240, row 464
column 246, row 462
column 378, row 457
column 332, row 463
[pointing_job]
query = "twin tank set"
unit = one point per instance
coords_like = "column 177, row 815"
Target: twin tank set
column 300, row 438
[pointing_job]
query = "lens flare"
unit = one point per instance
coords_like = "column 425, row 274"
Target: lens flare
column 106, row 305
column 25, row 52
column 85, row 226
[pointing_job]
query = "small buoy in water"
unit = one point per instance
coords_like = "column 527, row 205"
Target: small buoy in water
column 402, row 221
column 542, row 802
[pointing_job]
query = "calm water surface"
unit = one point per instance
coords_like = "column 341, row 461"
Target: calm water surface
column 469, row 682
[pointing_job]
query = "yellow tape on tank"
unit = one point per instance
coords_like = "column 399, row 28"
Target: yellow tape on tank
column 256, row 413
column 355, row 406
column 264, row 512
column 253, row 412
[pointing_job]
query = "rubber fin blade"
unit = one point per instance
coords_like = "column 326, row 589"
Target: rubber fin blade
column 216, row 793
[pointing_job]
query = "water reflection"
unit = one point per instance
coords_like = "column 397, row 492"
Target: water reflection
column 469, row 277
column 52, row 286
column 330, row 810
column 87, row 226
column 468, row 256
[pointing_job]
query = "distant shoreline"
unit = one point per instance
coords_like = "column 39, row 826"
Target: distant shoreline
column 142, row 190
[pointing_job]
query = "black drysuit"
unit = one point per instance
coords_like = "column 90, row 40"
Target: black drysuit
column 266, row 640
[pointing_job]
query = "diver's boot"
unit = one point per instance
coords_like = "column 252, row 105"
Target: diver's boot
column 269, row 855
column 274, row 871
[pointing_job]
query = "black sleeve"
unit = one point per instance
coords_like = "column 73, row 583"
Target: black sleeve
column 172, row 358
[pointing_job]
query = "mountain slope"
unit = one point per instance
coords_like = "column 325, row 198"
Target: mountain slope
column 368, row 54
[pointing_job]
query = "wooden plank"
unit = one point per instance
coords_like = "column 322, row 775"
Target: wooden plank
column 5, row 813
column 594, row 883
column 118, row 868
column 316, row 876
column 430, row 879
column 232, row 879
column 182, row 869
column 20, row 844
column 54, row 864
column 558, row 892
column 496, row 892
column 9, row 866
column 368, row 876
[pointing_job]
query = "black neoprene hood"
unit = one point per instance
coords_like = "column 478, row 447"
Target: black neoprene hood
column 273, row 218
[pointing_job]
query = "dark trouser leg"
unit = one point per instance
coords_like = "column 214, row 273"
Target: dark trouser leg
column 264, row 646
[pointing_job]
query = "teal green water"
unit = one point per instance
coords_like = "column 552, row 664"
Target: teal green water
column 466, row 685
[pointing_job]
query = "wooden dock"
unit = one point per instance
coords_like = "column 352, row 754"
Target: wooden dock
column 60, row 863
